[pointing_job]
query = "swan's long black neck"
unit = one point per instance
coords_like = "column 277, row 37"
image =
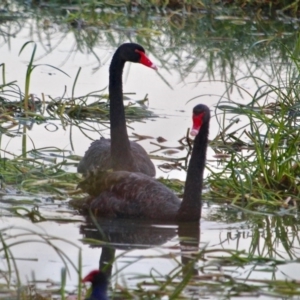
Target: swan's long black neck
column 190, row 209
column 120, row 147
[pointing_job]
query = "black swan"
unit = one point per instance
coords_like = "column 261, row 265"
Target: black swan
column 136, row 195
column 118, row 152
column 99, row 285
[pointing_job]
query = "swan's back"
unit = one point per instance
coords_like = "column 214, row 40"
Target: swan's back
column 98, row 156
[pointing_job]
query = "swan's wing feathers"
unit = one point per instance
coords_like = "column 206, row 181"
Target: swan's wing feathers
column 93, row 182
column 127, row 194
column 97, row 156
column 96, row 181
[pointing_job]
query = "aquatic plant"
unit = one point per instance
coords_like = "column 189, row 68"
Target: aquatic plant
column 17, row 237
column 260, row 164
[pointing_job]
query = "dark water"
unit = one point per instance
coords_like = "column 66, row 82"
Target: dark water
column 197, row 56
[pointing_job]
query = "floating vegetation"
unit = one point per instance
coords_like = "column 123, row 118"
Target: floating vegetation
column 12, row 104
column 82, row 108
column 41, row 173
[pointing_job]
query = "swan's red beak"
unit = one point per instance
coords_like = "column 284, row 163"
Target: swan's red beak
column 144, row 60
column 197, row 123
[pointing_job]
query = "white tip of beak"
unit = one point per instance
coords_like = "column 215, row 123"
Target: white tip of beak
column 194, row 132
column 153, row 66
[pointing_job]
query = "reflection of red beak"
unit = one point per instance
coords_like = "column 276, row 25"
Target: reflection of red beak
column 144, row 60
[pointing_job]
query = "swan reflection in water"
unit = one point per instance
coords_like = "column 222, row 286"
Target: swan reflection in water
column 130, row 234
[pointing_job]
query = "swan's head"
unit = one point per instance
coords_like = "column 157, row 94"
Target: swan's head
column 135, row 53
column 201, row 114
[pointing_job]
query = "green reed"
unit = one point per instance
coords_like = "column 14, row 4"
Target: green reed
column 262, row 164
column 26, row 96
column 16, row 237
